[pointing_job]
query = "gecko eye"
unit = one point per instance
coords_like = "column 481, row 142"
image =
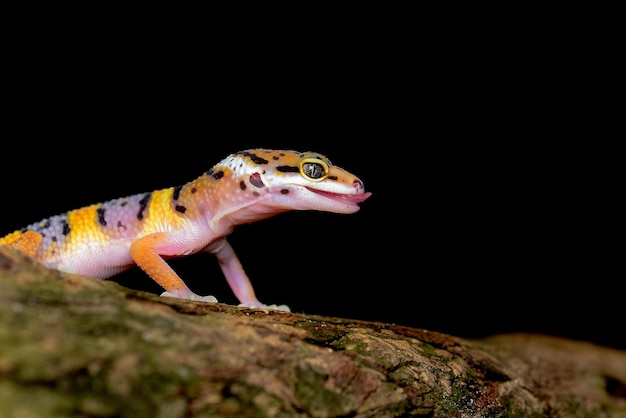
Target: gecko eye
column 313, row 169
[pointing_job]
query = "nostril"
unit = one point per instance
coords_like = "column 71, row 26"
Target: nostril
column 358, row 184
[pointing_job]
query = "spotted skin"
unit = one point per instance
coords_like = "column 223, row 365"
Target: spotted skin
column 146, row 229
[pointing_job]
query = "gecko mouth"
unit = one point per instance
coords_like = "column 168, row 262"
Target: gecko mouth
column 342, row 197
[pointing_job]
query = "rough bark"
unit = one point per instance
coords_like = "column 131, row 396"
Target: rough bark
column 74, row 346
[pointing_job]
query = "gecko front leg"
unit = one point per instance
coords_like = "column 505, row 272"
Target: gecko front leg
column 236, row 276
column 147, row 253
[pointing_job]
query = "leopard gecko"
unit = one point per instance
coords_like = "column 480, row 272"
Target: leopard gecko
column 146, row 229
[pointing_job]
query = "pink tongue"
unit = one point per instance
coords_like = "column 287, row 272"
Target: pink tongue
column 358, row 198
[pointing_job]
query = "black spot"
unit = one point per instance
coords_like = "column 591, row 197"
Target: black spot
column 101, row 220
column 54, row 238
column 143, row 204
column 180, row 208
column 193, row 190
column 66, row 227
column 120, row 225
column 275, row 157
column 255, row 193
column 284, row 191
column 287, row 169
column 255, row 158
column 176, row 193
column 332, row 177
column 124, row 203
column 218, row 175
column 46, row 224
column 242, row 185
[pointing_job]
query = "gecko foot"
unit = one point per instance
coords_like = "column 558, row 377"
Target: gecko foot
column 284, row 308
column 192, row 296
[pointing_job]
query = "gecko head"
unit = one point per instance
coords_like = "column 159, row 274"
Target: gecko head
column 290, row 180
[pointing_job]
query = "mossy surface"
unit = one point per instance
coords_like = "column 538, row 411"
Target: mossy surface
column 77, row 347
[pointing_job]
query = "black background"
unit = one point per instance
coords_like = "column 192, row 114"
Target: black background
column 488, row 212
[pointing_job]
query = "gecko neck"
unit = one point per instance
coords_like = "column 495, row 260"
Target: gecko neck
column 224, row 204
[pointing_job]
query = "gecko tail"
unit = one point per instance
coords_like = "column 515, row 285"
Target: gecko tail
column 28, row 242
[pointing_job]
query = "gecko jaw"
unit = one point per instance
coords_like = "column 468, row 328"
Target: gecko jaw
column 342, row 197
